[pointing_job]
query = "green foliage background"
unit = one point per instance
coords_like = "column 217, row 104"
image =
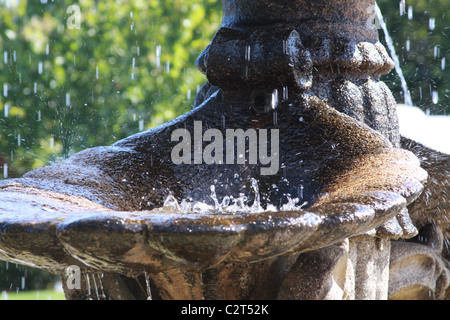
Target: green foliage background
column 119, row 84
column 110, row 67
column 428, row 51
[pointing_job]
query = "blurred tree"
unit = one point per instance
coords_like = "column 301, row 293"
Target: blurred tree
column 128, row 67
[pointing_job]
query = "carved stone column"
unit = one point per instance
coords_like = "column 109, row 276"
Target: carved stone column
column 329, row 49
column 418, row 270
column 357, row 269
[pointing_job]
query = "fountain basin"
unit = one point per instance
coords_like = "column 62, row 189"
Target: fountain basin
column 51, row 227
column 133, row 242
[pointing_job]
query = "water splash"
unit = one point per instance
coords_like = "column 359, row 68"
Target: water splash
column 229, row 204
column 390, row 45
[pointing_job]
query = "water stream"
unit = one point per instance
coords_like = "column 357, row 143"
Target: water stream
column 390, row 45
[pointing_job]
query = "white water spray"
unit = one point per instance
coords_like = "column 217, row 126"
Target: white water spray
column 229, row 204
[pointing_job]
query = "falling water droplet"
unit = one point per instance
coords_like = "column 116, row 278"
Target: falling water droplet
column 285, row 93
column 35, row 87
column 402, row 7
column 141, row 125
column 408, row 45
column 435, row 97
column 167, row 67
column 247, row 53
column 284, row 46
column 443, row 63
column 95, row 287
column 5, row 57
column 188, row 94
column 47, row 49
column 5, row 170
column 432, row 23
column 40, row 68
column 300, row 191
column 5, row 90
column 158, row 56
column 19, row 140
column 96, row 72
column 100, row 276
column 6, row 110
column 39, row 116
column 274, row 101
column 88, row 284
column 410, row 12
column 52, row 143
column 437, row 51
column 67, row 99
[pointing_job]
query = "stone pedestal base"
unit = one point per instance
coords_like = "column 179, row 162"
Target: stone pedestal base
column 357, row 269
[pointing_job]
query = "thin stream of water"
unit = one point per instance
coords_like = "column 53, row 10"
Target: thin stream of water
column 390, row 45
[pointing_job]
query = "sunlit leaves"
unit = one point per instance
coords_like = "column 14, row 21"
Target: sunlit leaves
column 117, row 82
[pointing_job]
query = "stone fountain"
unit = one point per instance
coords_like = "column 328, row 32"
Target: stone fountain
column 338, row 210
